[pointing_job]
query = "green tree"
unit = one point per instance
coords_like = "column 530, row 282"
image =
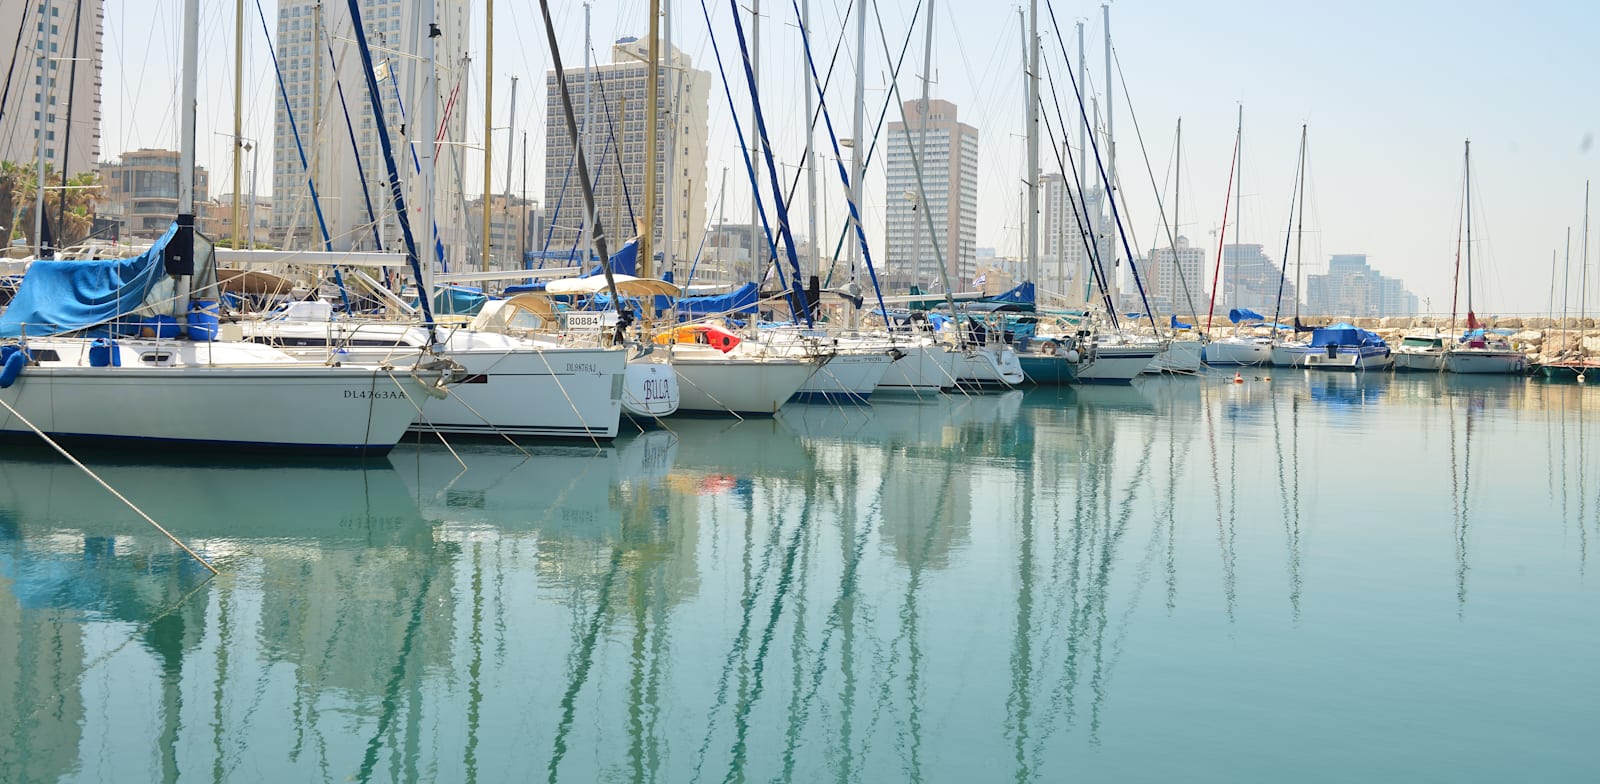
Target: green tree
column 18, row 190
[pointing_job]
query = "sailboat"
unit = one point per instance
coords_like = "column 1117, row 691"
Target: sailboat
column 1240, row 348
column 1479, row 350
column 1291, row 353
column 97, row 352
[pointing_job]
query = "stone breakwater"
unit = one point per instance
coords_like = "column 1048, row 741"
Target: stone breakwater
column 1542, row 339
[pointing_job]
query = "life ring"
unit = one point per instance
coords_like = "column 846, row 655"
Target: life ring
column 1049, row 348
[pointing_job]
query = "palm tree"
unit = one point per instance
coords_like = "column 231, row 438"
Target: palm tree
column 17, row 198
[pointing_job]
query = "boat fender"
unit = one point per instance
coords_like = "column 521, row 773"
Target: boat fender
column 15, row 360
column 1073, row 356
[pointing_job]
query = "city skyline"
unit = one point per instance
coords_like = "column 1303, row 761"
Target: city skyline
column 1386, row 115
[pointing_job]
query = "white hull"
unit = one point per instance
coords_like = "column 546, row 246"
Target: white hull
column 650, row 388
column 1486, row 362
column 1117, row 363
column 1181, row 356
column 277, row 405
column 848, row 375
column 1290, row 354
column 1238, row 351
column 921, row 368
column 712, row 383
column 988, row 366
column 1428, row 361
column 1349, row 358
column 513, row 387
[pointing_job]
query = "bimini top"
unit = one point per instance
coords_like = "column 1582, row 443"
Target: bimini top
column 1347, row 336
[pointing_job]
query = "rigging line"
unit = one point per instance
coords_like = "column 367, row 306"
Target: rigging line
column 294, row 130
column 872, row 148
column 1288, row 233
column 16, row 50
column 844, row 176
column 96, row 477
column 749, row 164
column 1105, row 179
column 361, row 169
column 1161, row 208
column 1081, row 217
column 1223, row 234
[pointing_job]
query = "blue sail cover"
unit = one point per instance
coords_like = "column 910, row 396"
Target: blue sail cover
column 740, row 300
column 57, row 297
column 1238, row 315
column 1023, row 294
column 1176, row 324
column 624, row 262
column 1331, row 336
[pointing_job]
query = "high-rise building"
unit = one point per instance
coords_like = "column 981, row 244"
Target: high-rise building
column 1176, row 279
column 314, row 50
column 40, row 86
column 1068, row 225
column 1352, row 287
column 1252, row 280
column 949, row 162
column 609, row 103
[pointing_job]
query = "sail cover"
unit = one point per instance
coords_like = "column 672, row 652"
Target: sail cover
column 57, row 297
column 740, row 300
column 1238, row 315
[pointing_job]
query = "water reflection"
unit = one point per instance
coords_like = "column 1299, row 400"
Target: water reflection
column 1023, row 585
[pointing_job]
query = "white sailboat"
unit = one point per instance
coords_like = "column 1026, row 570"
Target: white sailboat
column 1480, row 351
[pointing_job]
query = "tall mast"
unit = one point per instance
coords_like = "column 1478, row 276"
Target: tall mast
column 180, row 258
column 590, row 212
column 1114, row 273
column 1031, row 252
column 756, row 268
column 66, row 140
column 652, row 105
column 511, row 138
column 1238, row 202
column 1472, row 318
column 238, row 121
column 1177, row 203
column 1300, row 225
column 1583, row 276
column 488, row 124
column 811, row 169
column 858, row 159
column 1083, row 167
column 922, row 133
column 430, row 144
column 44, row 85
column 670, row 225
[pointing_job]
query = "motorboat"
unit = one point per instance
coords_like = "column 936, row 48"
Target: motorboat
column 1347, row 348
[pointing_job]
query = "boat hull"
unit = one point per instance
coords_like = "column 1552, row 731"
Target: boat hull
column 296, row 409
column 747, row 386
column 1116, row 364
column 846, row 376
column 1419, row 361
column 982, row 367
column 1181, row 356
column 1486, row 362
column 1350, row 358
column 1047, row 369
column 1232, row 352
column 649, row 389
column 921, row 368
column 1290, row 354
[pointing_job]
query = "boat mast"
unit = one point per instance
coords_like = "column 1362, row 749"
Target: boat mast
column 1031, row 252
column 1583, row 276
column 1083, row 167
column 811, row 170
column 66, row 140
column 238, row 119
column 1472, row 318
column 922, row 133
column 488, row 129
column 579, row 143
column 1114, row 272
column 858, row 144
column 758, row 270
column 652, row 106
column 1238, row 204
column 511, row 139
column 44, row 84
column 430, row 145
column 180, row 258
column 1177, row 185
column 1300, row 227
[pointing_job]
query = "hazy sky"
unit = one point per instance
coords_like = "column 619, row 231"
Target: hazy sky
column 1390, row 90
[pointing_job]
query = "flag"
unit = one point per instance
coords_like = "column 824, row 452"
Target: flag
column 980, row 280
column 381, row 71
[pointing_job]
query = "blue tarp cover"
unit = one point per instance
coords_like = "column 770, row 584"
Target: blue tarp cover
column 740, row 300
column 1244, row 314
column 1176, row 324
column 1331, row 336
column 1023, row 294
column 624, row 262
column 67, row 296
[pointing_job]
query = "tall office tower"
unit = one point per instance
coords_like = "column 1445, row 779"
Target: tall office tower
column 949, row 162
column 1067, row 228
column 1176, row 280
column 610, row 106
column 40, row 85
column 315, row 47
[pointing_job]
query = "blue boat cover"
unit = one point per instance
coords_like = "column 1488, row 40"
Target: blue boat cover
column 740, row 300
column 523, row 288
column 1023, row 294
column 1333, row 336
column 624, row 262
column 1176, row 324
column 458, row 301
column 58, row 297
column 1238, row 315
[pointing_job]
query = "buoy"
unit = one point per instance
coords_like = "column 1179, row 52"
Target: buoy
column 1237, row 379
column 1267, row 379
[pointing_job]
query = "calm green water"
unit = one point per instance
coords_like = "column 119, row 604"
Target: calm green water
column 1320, row 578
